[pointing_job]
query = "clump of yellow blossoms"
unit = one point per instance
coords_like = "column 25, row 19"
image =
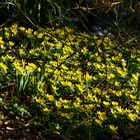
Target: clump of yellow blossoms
column 82, row 79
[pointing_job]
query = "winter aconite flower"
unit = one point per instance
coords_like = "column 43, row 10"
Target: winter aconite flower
column 113, row 128
column 3, row 66
column 11, row 43
column 132, row 116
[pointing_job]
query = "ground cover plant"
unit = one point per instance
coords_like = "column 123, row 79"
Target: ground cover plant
column 67, row 83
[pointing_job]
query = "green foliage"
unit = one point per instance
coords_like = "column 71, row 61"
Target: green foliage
column 40, row 13
column 70, row 83
column 35, row 12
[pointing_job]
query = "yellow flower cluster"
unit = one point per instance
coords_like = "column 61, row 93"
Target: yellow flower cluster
column 75, row 76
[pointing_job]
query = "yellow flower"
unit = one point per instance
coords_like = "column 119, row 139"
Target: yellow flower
column 3, row 66
column 67, row 115
column 102, row 115
column 96, row 99
column 99, row 42
column 84, row 50
column 35, row 33
column 106, row 39
column 119, row 109
column 97, row 90
column 89, row 96
column 132, row 96
column 64, row 67
column 22, row 28
column 40, row 35
column 50, row 97
column 127, row 110
column 98, row 121
column 89, row 64
column 58, row 104
column 99, row 59
column 76, row 105
column 53, row 63
column 30, row 67
column 21, row 52
column 64, row 101
column 19, row 68
column 117, row 83
column 104, row 93
column 118, row 93
column 69, row 29
column 95, row 37
column 78, row 72
column 106, row 103
column 113, row 111
column 78, row 100
column 46, row 109
column 114, row 103
column 40, row 100
column 9, row 57
column 120, row 55
column 67, row 83
column 41, row 90
column 3, row 47
column 67, row 106
column 59, row 44
column 123, row 62
column 32, row 51
column 95, row 78
column 122, row 72
column 54, row 87
column 39, row 69
column 135, row 76
column 111, row 75
column 113, row 128
column 89, row 106
column 88, row 77
column 7, row 34
column 133, row 55
column 14, row 29
column 97, row 65
column 132, row 116
column 80, row 88
column 11, row 43
column 138, row 102
column 29, row 31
